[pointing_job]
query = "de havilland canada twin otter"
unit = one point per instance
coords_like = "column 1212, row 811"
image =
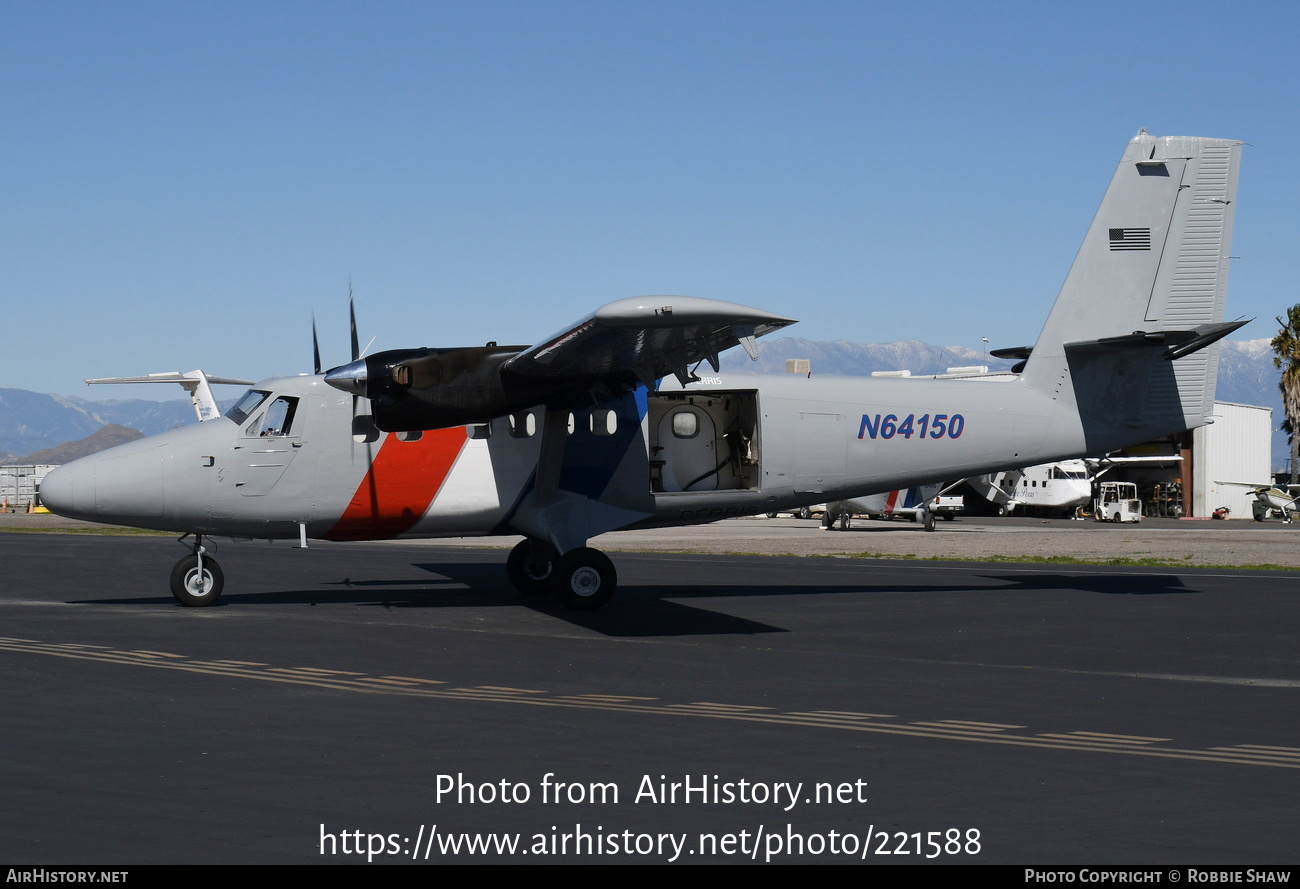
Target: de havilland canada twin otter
column 607, row 425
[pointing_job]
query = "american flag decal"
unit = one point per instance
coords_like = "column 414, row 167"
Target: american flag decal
column 1130, row 239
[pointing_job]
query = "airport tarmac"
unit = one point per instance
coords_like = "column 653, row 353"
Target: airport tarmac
column 819, row 710
column 1193, row 542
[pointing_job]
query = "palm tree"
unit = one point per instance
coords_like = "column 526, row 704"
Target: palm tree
column 1286, row 349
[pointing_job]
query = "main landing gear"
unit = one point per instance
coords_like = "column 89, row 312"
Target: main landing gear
column 582, row 579
column 197, row 578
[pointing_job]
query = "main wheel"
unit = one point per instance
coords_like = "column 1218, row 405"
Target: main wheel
column 805, row 513
column 927, row 520
column 523, row 577
column 194, row 589
column 584, row 579
column 845, row 520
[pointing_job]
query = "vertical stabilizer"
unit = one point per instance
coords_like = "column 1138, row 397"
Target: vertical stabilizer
column 1131, row 339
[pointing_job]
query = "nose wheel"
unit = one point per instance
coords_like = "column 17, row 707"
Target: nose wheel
column 197, row 579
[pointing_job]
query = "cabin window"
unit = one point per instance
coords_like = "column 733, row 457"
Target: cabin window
column 523, row 424
column 410, row 435
column 479, row 430
column 685, row 424
column 604, row 422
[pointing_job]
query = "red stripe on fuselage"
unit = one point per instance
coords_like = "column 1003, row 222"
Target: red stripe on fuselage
column 402, row 481
column 891, row 502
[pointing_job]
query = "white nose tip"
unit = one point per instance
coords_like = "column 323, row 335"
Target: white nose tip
column 120, row 486
column 59, row 487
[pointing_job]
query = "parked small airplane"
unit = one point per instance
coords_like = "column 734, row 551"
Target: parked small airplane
column 1270, row 501
column 918, row 504
column 575, row 436
column 1056, row 487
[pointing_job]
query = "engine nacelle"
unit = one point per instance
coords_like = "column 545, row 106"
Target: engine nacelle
column 413, row 389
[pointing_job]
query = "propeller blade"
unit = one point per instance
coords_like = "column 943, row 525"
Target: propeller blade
column 352, row 314
column 315, row 345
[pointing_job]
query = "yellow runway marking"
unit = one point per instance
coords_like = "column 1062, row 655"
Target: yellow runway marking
column 961, row 725
column 823, row 720
column 411, row 679
column 1281, row 751
column 512, row 691
column 1126, row 739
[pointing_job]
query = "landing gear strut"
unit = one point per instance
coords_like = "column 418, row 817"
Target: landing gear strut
column 830, row 519
column 197, row 578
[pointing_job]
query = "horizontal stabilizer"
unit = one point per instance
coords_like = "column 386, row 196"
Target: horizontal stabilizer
column 1012, row 352
column 1178, row 343
column 1205, row 335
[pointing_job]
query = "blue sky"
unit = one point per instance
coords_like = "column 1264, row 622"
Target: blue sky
column 183, row 184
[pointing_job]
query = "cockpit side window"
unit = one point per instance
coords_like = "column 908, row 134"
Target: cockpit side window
column 248, row 402
column 278, row 419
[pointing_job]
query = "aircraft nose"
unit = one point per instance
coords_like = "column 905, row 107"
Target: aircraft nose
column 123, row 485
column 59, row 488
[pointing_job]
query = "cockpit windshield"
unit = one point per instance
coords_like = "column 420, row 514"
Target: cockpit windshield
column 248, row 402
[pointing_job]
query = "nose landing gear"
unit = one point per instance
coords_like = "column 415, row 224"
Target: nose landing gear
column 197, row 579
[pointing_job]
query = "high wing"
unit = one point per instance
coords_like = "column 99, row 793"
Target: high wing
column 196, row 382
column 648, row 337
column 621, row 345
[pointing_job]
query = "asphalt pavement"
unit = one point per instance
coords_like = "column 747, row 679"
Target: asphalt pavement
column 401, row 703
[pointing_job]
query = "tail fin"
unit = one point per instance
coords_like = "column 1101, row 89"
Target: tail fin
column 1130, row 340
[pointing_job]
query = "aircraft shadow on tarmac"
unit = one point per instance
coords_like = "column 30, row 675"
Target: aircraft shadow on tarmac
column 642, row 610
